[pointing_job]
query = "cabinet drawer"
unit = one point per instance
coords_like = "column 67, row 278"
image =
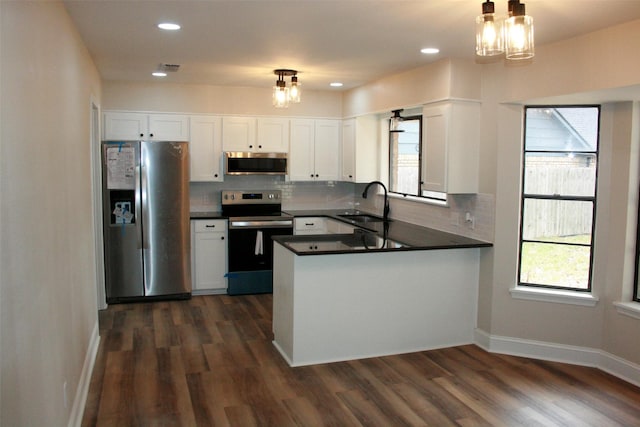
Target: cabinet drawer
column 210, row 225
column 309, row 225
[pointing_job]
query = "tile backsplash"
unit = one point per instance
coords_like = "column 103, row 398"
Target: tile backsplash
column 478, row 224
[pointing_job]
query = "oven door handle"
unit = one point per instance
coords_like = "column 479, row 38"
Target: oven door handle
column 261, row 224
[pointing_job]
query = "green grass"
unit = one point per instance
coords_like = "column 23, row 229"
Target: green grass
column 557, row 264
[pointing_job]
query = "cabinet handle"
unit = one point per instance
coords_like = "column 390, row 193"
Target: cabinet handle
column 151, row 135
column 259, row 146
column 141, row 135
column 317, row 175
column 311, row 175
column 309, row 224
column 350, row 176
column 251, row 146
column 215, row 175
column 222, row 238
column 210, row 226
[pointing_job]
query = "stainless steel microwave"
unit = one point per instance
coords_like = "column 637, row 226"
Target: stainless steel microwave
column 247, row 163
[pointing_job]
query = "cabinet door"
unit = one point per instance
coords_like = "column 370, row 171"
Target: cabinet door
column 205, row 148
column 238, row 133
column 434, row 148
column 125, row 126
column 349, row 150
column 301, row 150
column 309, row 225
column 273, row 135
column 209, row 255
column 327, row 150
column 451, row 147
column 169, row 127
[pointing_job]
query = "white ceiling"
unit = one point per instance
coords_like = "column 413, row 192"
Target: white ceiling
column 241, row 42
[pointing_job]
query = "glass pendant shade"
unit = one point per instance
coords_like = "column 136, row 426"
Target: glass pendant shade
column 489, row 37
column 280, row 95
column 519, row 35
column 294, row 91
column 395, row 121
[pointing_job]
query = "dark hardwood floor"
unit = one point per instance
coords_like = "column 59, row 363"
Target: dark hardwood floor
column 209, row 361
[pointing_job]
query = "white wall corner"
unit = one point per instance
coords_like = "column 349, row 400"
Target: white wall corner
column 582, row 356
column 82, row 391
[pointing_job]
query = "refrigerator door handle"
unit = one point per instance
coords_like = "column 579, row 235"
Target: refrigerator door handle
column 138, row 203
column 144, row 191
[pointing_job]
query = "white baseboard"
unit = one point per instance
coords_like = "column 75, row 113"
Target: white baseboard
column 574, row 355
column 82, row 391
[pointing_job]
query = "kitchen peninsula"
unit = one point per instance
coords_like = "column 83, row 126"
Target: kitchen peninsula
column 388, row 289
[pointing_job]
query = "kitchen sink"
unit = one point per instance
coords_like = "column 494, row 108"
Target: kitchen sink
column 361, row 218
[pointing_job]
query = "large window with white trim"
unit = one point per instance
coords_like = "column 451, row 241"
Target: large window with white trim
column 559, row 181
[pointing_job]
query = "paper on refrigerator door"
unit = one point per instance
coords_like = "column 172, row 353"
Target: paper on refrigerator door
column 259, row 244
column 121, row 167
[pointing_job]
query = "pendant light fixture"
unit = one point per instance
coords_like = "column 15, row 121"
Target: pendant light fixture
column 512, row 36
column 282, row 95
column 518, row 32
column 395, row 121
column 488, row 31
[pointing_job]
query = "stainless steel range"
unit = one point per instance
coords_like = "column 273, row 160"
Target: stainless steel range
column 254, row 217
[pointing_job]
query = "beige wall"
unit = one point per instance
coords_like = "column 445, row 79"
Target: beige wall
column 47, row 267
column 444, row 79
column 596, row 68
column 205, row 99
column 591, row 68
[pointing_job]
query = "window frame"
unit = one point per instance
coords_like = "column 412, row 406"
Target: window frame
column 420, row 196
column 523, row 197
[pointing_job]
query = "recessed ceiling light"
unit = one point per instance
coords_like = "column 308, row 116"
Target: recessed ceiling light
column 335, row 84
column 170, row 26
column 159, row 74
column 430, row 50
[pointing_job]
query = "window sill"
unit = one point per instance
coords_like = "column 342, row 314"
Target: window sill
column 419, row 199
column 555, row 296
column 631, row 309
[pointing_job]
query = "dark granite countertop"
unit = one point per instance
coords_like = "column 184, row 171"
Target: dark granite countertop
column 382, row 237
column 207, row 215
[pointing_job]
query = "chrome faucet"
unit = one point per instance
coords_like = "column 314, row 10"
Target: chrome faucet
column 385, row 210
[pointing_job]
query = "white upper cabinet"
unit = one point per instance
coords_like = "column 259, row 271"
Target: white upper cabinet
column 134, row 126
column 360, row 149
column 268, row 135
column 301, row 150
column 205, row 148
column 273, row 135
column 451, row 147
column 238, row 133
column 326, row 150
column 314, row 150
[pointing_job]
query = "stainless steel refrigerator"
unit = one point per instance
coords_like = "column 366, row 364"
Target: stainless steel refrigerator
column 146, row 220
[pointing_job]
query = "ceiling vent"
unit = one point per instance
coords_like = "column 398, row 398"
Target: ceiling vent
column 168, row 68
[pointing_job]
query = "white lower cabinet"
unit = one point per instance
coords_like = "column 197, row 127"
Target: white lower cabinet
column 310, row 225
column 320, row 225
column 208, row 256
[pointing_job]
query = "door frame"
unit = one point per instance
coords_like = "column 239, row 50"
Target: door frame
column 96, row 187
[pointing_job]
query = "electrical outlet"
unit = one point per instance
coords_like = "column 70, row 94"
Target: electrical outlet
column 470, row 220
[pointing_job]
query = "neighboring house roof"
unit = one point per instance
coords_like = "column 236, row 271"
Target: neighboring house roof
column 564, row 129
